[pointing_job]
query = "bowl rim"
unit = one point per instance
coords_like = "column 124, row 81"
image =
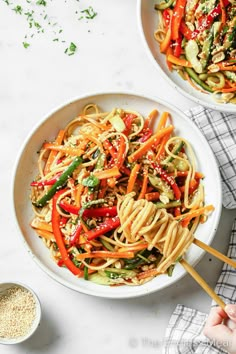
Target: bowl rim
column 37, row 319
column 219, row 107
column 53, row 111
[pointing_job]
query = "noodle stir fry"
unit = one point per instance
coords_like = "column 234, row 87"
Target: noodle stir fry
column 115, row 200
column 199, row 41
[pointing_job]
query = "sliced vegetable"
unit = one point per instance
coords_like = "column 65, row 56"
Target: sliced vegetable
column 108, row 225
column 59, row 183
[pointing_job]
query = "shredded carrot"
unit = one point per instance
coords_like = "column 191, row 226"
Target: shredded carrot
column 164, row 45
column 226, row 66
column 193, row 213
column 225, row 90
column 223, row 12
column 109, row 173
column 52, row 154
column 150, row 118
column 154, row 140
column 179, row 61
column 148, row 273
column 132, row 178
column 162, row 121
column 161, row 151
column 152, row 196
column 42, row 225
column 45, row 234
column 105, row 254
column 141, row 246
column 144, row 186
column 78, row 194
column 73, row 151
column 102, row 189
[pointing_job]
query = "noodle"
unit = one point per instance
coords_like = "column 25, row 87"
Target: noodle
column 106, row 208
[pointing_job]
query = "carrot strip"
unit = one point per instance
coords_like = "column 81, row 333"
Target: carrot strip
column 132, row 178
column 110, row 148
column 179, row 61
column 105, row 254
column 37, row 224
column 121, row 152
column 73, row 151
column 223, row 12
column 162, row 121
column 196, row 212
column 161, row 151
column 225, row 90
column 141, row 246
column 154, row 140
column 109, row 173
column 152, row 115
column 164, row 45
column 52, row 154
column 78, row 194
column 148, row 273
column 152, row 196
column 103, row 188
column 45, row 234
column 144, row 186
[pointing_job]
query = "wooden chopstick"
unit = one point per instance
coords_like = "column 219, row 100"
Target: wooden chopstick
column 215, row 253
column 202, row 283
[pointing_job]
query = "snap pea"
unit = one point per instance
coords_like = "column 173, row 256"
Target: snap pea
column 59, row 183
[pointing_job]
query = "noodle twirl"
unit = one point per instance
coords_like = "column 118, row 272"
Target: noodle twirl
column 115, row 200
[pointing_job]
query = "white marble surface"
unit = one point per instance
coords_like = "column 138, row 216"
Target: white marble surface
column 110, row 56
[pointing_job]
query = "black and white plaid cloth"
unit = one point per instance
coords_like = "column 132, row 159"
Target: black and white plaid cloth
column 184, row 332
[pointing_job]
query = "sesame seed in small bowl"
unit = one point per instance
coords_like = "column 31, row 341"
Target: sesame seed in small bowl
column 20, row 313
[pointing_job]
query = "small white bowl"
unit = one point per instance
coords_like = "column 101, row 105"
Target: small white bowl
column 4, row 287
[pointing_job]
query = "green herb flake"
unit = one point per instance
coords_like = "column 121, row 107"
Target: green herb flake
column 26, row 45
column 18, row 9
column 71, row 49
column 89, row 13
column 41, row 2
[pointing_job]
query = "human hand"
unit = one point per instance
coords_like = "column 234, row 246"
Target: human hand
column 220, row 328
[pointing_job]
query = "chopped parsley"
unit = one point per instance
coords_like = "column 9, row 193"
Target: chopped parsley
column 41, row 2
column 18, row 9
column 26, row 45
column 71, row 49
column 89, row 13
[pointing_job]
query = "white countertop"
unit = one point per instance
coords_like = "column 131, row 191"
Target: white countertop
column 110, row 56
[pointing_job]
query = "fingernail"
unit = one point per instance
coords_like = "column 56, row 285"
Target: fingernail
column 231, row 310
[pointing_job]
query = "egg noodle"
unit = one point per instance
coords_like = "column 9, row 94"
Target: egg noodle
column 199, row 41
column 115, row 200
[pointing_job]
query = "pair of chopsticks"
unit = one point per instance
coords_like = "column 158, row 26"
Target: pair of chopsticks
column 199, row 279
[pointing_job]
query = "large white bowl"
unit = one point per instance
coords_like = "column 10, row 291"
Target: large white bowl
column 147, row 21
column 26, row 169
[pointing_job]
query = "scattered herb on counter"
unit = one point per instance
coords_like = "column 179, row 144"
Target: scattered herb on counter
column 26, row 45
column 39, row 21
column 71, row 49
column 89, row 13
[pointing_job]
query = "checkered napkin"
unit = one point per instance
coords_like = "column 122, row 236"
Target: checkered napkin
column 184, row 332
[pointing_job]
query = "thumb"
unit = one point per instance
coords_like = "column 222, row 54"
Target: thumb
column 231, row 311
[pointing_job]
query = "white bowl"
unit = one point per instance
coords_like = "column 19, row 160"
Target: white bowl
column 147, row 21
column 26, row 169
column 4, row 287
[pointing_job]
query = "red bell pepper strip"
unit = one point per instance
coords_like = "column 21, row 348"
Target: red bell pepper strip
column 48, row 182
column 121, row 152
column 185, row 30
column 76, row 234
column 166, row 17
column 207, row 21
column 128, row 120
column 91, row 212
column 108, row 225
column 177, row 46
column 59, row 237
column 178, row 14
column 169, row 180
column 146, row 135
